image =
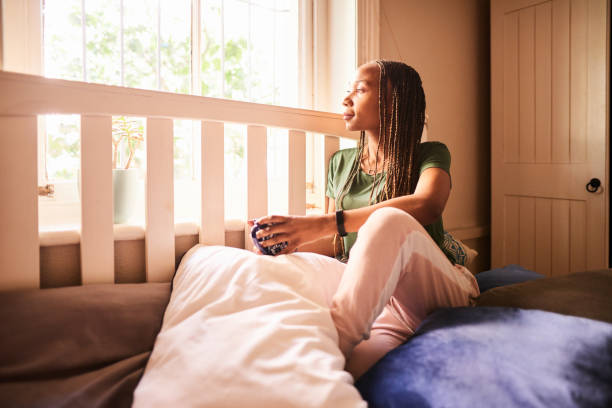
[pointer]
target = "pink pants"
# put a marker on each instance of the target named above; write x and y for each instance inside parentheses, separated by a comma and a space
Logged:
(395, 277)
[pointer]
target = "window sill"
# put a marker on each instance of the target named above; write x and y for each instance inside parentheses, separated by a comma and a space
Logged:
(71, 234)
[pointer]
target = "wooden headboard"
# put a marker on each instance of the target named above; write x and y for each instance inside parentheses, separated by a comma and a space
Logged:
(23, 97)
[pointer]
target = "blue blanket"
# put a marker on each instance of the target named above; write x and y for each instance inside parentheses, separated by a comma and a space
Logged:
(494, 356)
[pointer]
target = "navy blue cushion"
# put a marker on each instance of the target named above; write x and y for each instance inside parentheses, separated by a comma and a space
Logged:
(507, 275)
(496, 356)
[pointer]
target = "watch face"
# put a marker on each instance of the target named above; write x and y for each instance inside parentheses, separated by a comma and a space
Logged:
(271, 250)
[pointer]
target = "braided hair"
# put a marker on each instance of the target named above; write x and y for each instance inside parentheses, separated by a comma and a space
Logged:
(400, 133)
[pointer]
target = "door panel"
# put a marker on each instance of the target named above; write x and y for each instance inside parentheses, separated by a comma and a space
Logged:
(548, 71)
(543, 85)
(560, 77)
(512, 230)
(511, 89)
(545, 234)
(560, 237)
(527, 254)
(578, 81)
(543, 227)
(577, 236)
(526, 62)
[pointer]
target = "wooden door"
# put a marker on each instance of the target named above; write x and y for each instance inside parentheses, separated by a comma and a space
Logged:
(549, 136)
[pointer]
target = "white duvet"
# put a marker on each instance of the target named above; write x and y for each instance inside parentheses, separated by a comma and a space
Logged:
(243, 330)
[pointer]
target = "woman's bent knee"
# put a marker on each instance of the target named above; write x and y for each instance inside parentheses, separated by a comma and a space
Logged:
(389, 219)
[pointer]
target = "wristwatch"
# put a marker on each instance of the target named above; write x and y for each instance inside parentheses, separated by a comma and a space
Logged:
(340, 223)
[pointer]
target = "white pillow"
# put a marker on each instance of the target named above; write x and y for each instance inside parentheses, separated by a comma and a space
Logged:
(246, 330)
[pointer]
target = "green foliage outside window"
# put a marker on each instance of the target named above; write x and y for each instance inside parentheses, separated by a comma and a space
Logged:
(140, 66)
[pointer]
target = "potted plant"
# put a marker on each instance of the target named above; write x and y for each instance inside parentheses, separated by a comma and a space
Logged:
(127, 134)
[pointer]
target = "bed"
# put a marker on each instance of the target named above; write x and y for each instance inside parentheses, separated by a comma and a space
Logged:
(228, 328)
(530, 341)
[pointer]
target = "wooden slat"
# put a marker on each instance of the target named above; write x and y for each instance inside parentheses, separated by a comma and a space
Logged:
(331, 144)
(212, 230)
(578, 80)
(297, 172)
(596, 239)
(527, 85)
(512, 231)
(19, 250)
(560, 237)
(27, 94)
(159, 233)
(598, 133)
(497, 134)
(527, 242)
(578, 236)
(542, 82)
(510, 90)
(257, 176)
(560, 81)
(543, 237)
(97, 244)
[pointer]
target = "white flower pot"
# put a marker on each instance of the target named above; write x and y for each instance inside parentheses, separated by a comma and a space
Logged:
(125, 194)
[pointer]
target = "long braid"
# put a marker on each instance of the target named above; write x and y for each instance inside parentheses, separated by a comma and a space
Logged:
(399, 134)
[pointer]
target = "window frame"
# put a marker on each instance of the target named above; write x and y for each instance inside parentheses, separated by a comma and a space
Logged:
(195, 63)
(314, 45)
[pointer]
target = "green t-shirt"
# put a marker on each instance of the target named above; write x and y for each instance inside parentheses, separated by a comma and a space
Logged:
(431, 154)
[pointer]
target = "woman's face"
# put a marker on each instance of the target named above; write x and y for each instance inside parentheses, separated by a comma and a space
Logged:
(361, 103)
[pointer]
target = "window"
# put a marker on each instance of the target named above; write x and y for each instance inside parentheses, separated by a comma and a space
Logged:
(243, 49)
(238, 53)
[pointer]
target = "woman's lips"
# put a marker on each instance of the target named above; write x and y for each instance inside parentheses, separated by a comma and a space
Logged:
(347, 116)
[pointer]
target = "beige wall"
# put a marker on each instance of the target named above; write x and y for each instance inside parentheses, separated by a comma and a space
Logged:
(447, 42)
(341, 52)
(21, 36)
(334, 53)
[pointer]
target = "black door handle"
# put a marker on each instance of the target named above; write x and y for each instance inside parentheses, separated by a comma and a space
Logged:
(593, 185)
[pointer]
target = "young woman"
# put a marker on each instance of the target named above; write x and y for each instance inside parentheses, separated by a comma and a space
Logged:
(386, 202)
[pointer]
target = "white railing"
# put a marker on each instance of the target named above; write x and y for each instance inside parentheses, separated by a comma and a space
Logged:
(23, 97)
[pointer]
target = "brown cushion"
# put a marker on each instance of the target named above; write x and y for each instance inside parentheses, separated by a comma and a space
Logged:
(584, 294)
(77, 346)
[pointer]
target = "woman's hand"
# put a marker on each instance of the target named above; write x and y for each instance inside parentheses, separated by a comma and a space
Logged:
(254, 249)
(296, 230)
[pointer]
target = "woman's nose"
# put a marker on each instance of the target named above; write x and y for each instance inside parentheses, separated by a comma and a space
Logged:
(347, 101)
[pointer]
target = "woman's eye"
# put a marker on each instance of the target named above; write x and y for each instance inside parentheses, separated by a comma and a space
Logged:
(358, 90)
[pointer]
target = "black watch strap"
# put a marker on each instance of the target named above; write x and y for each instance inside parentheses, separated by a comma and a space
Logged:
(340, 223)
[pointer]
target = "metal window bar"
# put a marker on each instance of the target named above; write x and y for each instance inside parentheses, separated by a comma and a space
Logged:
(249, 52)
(223, 48)
(196, 41)
(274, 14)
(196, 85)
(121, 49)
(159, 44)
(84, 43)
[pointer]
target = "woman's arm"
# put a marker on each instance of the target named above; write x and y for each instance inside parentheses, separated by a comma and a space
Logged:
(325, 245)
(426, 204)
